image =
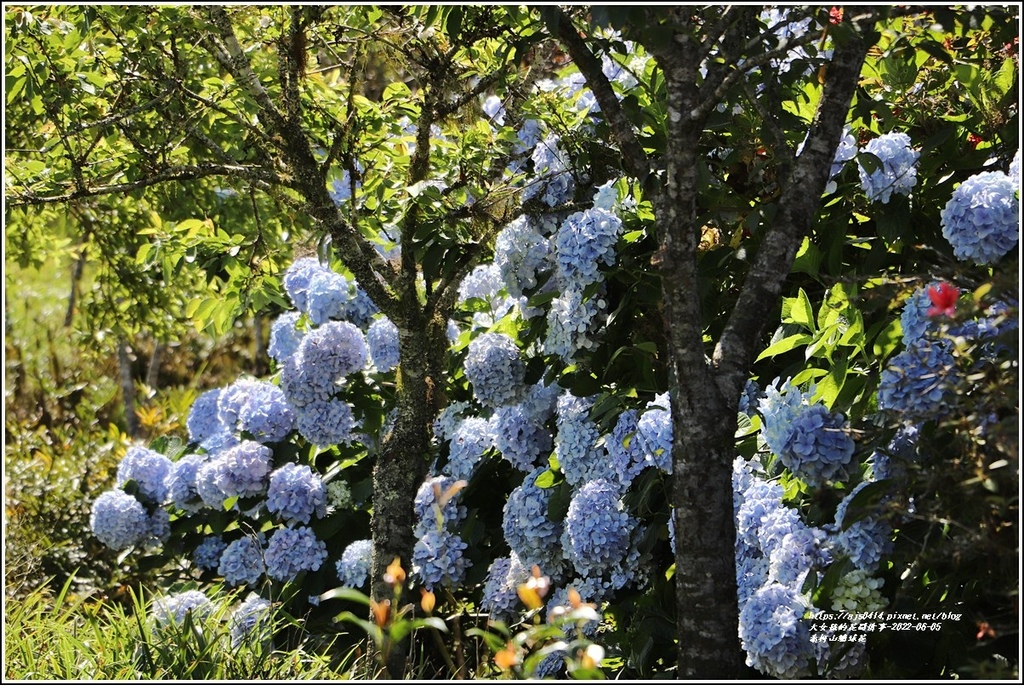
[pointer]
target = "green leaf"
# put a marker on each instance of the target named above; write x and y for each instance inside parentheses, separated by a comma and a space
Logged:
(346, 593)
(785, 345)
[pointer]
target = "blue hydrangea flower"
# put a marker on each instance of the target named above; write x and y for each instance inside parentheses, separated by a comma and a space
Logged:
(360, 309)
(625, 449)
(382, 338)
(981, 221)
(242, 562)
(203, 419)
(341, 188)
(295, 494)
(576, 442)
(181, 483)
(296, 280)
(495, 369)
(148, 469)
(521, 254)
(237, 472)
(158, 529)
(553, 181)
(266, 414)
(898, 173)
(866, 541)
(326, 423)
(325, 356)
(572, 321)
(800, 552)
(218, 442)
(326, 296)
(846, 151)
(354, 566)
(808, 439)
(775, 525)
(284, 337)
(540, 401)
(1014, 171)
(473, 436)
(500, 597)
(291, 551)
(448, 419)
(431, 514)
(250, 621)
(437, 559)
(233, 399)
(529, 532)
(751, 571)
(654, 432)
(584, 241)
(207, 553)
(597, 529)
(749, 398)
(756, 503)
(118, 520)
(773, 632)
(520, 440)
(484, 282)
(914, 320)
(173, 610)
(916, 381)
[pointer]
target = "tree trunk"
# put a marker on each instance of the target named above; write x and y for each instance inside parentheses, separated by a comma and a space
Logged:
(402, 468)
(124, 366)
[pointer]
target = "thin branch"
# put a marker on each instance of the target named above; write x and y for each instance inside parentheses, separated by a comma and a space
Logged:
(176, 173)
(633, 155)
(798, 207)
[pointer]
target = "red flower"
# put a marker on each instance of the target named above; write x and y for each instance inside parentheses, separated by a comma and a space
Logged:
(835, 15)
(943, 297)
(974, 140)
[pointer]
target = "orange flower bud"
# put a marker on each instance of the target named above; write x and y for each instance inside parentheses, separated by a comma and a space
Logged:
(506, 658)
(395, 574)
(427, 600)
(380, 610)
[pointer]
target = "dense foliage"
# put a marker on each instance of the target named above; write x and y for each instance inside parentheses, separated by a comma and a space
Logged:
(475, 357)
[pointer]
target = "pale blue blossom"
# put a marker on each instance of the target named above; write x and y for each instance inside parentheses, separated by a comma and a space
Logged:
(529, 531)
(118, 520)
(354, 566)
(242, 562)
(291, 551)
(981, 221)
(284, 336)
(495, 369)
(295, 494)
(148, 469)
(898, 173)
(382, 339)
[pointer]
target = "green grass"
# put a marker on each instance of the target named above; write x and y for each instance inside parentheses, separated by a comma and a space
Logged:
(62, 637)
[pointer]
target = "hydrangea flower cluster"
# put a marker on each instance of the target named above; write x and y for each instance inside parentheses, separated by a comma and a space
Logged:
(572, 320)
(326, 296)
(325, 356)
(520, 439)
(181, 483)
(431, 512)
(858, 592)
(495, 369)
(207, 553)
(807, 438)
(382, 338)
(174, 609)
(232, 401)
(291, 551)
(473, 436)
(437, 559)
(1014, 170)
(242, 562)
(119, 520)
(625, 449)
(448, 419)
(898, 173)
(597, 530)
(266, 414)
(203, 421)
(866, 541)
(583, 242)
(296, 280)
(914, 321)
(553, 181)
(981, 221)
(500, 597)
(521, 254)
(915, 382)
(237, 472)
(576, 442)
(749, 398)
(148, 469)
(250, 621)
(296, 493)
(354, 566)
(654, 432)
(530, 533)
(773, 632)
(326, 423)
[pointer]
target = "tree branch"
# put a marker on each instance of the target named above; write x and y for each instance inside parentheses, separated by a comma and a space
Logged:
(798, 207)
(634, 157)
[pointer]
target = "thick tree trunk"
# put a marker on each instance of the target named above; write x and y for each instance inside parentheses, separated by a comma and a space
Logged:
(402, 467)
